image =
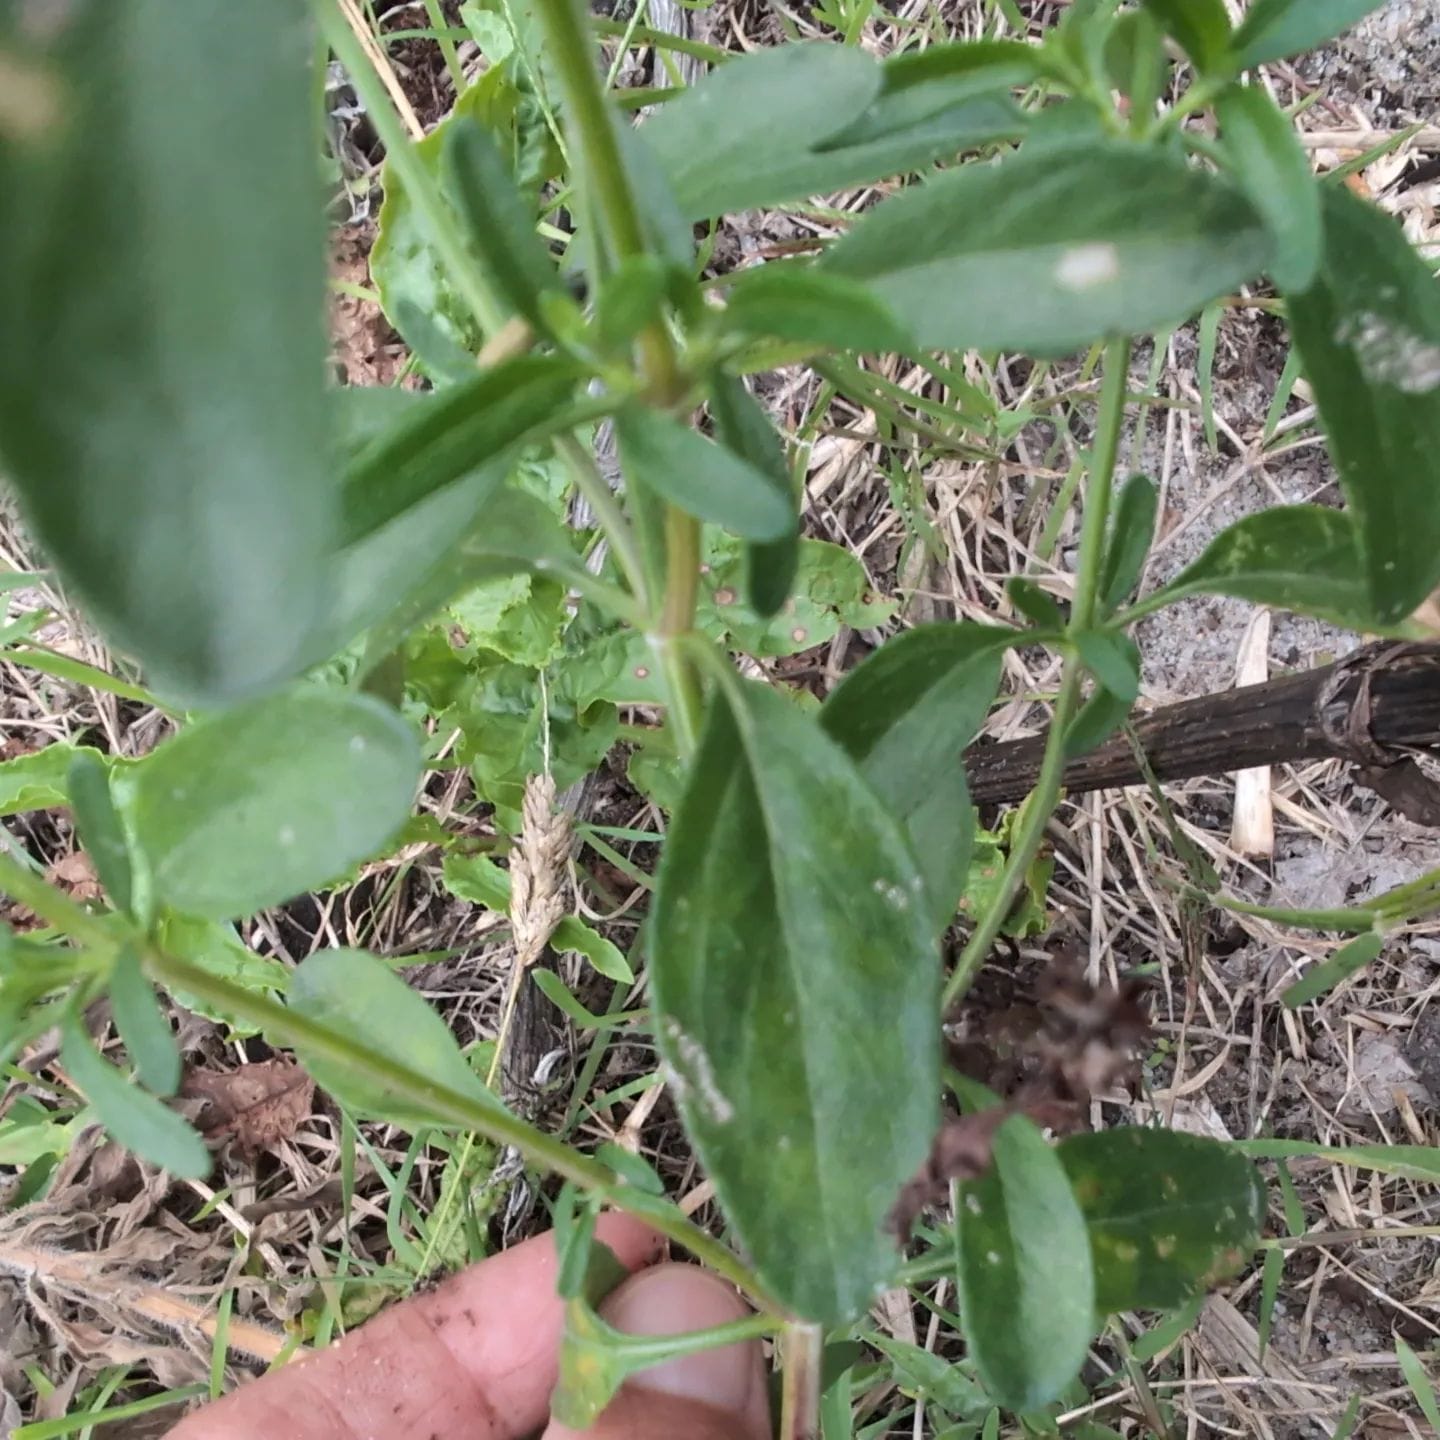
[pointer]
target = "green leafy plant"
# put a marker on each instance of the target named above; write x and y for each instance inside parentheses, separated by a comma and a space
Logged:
(298, 573)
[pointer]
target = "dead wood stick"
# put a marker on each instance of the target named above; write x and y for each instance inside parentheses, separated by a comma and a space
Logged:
(1375, 708)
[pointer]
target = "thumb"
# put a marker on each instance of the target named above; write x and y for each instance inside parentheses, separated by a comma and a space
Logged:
(715, 1395)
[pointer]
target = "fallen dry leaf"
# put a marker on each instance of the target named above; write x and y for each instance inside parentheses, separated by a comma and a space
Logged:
(258, 1105)
(75, 875)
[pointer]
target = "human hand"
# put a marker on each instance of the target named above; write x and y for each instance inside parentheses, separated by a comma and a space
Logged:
(477, 1359)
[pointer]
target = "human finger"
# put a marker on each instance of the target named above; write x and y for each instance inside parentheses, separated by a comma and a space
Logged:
(473, 1360)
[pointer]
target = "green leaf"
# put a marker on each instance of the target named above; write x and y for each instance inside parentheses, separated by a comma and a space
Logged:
(1201, 26)
(1415, 1162)
(790, 301)
(245, 809)
(1113, 660)
(904, 716)
(743, 427)
(1049, 251)
(1036, 605)
(1160, 1337)
(1320, 979)
(162, 414)
(1273, 1268)
(134, 1117)
(518, 616)
(1026, 1292)
(982, 884)
(40, 780)
(102, 836)
(360, 997)
(631, 297)
(942, 1384)
(1168, 1214)
(1293, 557)
(1274, 172)
(1131, 533)
(573, 936)
(143, 1026)
(1421, 1386)
(704, 479)
(767, 128)
(1368, 331)
(1099, 718)
(461, 430)
(1274, 29)
(501, 225)
(789, 938)
(1135, 60)
(218, 950)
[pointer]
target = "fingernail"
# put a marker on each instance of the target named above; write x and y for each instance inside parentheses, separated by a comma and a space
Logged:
(670, 1300)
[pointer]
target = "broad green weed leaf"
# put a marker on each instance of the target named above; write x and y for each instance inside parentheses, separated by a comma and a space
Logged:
(501, 225)
(248, 808)
(904, 716)
(704, 479)
(759, 131)
(517, 616)
(1169, 1214)
(1201, 26)
(359, 996)
(1274, 29)
(143, 1026)
(1027, 915)
(743, 427)
(1131, 533)
(1368, 331)
(218, 950)
(40, 780)
(943, 1384)
(1320, 979)
(102, 836)
(1274, 172)
(162, 413)
(456, 433)
(1293, 557)
(134, 1117)
(1046, 252)
(1026, 1291)
(795, 979)
(801, 302)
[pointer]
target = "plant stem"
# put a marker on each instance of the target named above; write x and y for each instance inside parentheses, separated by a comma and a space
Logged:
(402, 161)
(802, 1351)
(441, 27)
(53, 907)
(677, 616)
(1046, 795)
(450, 1107)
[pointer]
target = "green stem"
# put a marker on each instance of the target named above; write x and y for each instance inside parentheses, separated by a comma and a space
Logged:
(441, 27)
(449, 1107)
(51, 906)
(677, 617)
(1046, 795)
(401, 158)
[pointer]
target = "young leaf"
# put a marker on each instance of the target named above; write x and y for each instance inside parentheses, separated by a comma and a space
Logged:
(1047, 251)
(1320, 979)
(1274, 29)
(501, 225)
(758, 131)
(359, 996)
(1294, 557)
(452, 435)
(630, 298)
(143, 1026)
(1274, 172)
(1168, 1214)
(1201, 26)
(1369, 335)
(744, 428)
(1113, 660)
(1099, 718)
(789, 938)
(1026, 1291)
(134, 1117)
(1135, 60)
(573, 936)
(39, 780)
(247, 808)
(162, 415)
(1036, 605)
(704, 479)
(801, 302)
(904, 716)
(1131, 532)
(102, 836)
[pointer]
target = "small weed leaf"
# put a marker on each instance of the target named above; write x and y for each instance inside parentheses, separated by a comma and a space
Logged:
(98, 825)
(1274, 29)
(359, 996)
(143, 1026)
(1201, 26)
(248, 808)
(1047, 254)
(1168, 1214)
(193, 508)
(1130, 535)
(1368, 332)
(1027, 1295)
(1321, 979)
(795, 976)
(943, 1384)
(40, 780)
(759, 131)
